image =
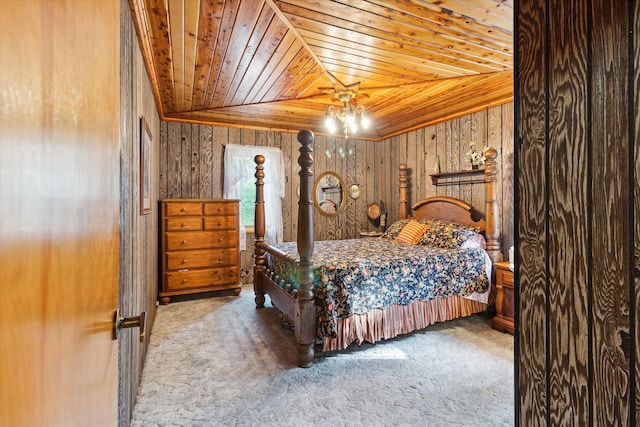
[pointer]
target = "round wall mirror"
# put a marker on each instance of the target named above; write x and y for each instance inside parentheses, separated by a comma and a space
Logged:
(330, 194)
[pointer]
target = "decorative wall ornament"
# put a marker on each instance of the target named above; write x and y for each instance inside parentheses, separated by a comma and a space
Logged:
(354, 191)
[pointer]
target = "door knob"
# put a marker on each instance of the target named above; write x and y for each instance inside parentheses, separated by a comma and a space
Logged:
(129, 322)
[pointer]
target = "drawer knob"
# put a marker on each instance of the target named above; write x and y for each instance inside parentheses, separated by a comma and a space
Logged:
(184, 261)
(184, 242)
(220, 240)
(219, 258)
(181, 209)
(219, 209)
(182, 225)
(184, 280)
(219, 224)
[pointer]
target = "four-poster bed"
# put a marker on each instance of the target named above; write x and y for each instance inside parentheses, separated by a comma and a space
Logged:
(315, 290)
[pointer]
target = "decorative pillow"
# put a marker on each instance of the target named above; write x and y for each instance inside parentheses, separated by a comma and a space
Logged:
(395, 229)
(448, 235)
(477, 241)
(411, 233)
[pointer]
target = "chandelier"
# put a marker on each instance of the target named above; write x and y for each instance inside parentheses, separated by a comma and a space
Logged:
(351, 115)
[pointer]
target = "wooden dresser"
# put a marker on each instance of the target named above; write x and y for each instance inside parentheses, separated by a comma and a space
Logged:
(503, 320)
(200, 248)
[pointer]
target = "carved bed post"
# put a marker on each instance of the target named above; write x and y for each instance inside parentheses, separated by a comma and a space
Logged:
(305, 309)
(260, 227)
(403, 211)
(492, 217)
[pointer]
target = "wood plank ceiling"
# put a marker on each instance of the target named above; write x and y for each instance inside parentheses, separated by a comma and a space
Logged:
(268, 64)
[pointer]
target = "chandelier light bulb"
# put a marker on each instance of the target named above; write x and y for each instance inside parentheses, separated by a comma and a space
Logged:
(351, 119)
(364, 120)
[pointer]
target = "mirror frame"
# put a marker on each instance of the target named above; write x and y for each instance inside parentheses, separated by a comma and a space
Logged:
(343, 194)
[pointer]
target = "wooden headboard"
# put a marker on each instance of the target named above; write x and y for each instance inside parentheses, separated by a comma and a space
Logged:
(449, 209)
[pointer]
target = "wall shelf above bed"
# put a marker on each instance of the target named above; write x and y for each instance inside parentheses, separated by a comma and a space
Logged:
(473, 176)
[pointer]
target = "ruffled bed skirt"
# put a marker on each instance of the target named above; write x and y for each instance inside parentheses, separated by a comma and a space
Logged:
(385, 323)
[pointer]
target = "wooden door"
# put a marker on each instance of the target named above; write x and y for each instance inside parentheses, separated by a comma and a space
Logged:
(59, 201)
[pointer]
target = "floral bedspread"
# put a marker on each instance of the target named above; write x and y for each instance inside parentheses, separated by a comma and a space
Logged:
(358, 275)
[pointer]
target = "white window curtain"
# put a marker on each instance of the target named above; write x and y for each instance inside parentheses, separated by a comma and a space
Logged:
(239, 166)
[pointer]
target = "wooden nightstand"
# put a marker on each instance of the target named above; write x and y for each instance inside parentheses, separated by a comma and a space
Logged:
(503, 320)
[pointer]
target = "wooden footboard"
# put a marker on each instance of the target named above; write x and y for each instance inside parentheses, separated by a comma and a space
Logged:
(301, 309)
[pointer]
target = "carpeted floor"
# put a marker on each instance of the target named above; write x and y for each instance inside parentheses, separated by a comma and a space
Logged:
(219, 361)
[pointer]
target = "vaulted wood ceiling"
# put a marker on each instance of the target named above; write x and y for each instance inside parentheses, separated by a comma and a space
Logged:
(268, 64)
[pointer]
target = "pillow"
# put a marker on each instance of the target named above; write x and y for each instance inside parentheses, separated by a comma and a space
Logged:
(395, 228)
(477, 241)
(449, 235)
(411, 233)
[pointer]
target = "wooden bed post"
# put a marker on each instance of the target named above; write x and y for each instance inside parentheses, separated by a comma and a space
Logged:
(403, 211)
(305, 309)
(492, 217)
(260, 228)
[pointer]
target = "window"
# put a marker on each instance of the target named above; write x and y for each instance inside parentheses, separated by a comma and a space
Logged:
(239, 183)
(248, 205)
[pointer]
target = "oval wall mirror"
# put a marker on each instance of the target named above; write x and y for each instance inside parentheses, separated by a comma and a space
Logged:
(330, 194)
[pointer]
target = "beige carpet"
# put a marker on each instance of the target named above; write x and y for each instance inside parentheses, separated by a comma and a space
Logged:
(219, 361)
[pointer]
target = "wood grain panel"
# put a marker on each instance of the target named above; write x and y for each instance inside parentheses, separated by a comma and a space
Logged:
(360, 158)
(506, 176)
(287, 154)
(635, 176)
(220, 137)
(174, 160)
(158, 34)
(186, 141)
(162, 156)
(569, 207)
(217, 55)
(230, 48)
(427, 164)
(610, 223)
(319, 167)
(445, 161)
(210, 17)
(194, 161)
(127, 350)
(205, 160)
(531, 234)
(466, 135)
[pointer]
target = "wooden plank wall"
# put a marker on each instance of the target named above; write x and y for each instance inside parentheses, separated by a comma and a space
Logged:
(138, 233)
(191, 165)
(578, 280)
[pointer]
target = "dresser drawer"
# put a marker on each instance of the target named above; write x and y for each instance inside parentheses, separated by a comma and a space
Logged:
(219, 222)
(184, 224)
(220, 208)
(201, 240)
(202, 278)
(201, 258)
(184, 209)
